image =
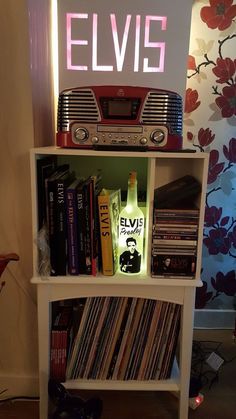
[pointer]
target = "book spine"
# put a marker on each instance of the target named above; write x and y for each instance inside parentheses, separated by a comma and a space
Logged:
(72, 231)
(93, 227)
(105, 235)
(61, 235)
(88, 232)
(81, 228)
(51, 193)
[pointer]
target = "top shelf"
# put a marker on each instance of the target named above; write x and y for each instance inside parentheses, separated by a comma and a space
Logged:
(116, 280)
(54, 150)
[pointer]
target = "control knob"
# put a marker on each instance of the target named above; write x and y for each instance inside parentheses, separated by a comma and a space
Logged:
(95, 140)
(157, 136)
(80, 134)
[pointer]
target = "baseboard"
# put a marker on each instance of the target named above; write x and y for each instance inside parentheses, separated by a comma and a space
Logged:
(19, 386)
(214, 319)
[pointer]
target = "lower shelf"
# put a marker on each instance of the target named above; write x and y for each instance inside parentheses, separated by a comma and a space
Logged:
(171, 384)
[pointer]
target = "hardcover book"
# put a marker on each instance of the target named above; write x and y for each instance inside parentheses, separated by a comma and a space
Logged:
(52, 219)
(45, 167)
(72, 227)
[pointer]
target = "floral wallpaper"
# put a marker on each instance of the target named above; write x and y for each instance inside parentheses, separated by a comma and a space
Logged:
(210, 126)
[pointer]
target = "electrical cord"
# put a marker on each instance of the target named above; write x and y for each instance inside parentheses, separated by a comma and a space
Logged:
(18, 398)
(201, 350)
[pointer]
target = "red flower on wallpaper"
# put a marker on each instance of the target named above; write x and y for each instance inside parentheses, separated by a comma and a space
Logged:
(215, 168)
(212, 216)
(189, 136)
(219, 14)
(202, 296)
(205, 137)
(227, 101)
(232, 236)
(225, 69)
(217, 241)
(230, 153)
(191, 62)
(191, 100)
(225, 283)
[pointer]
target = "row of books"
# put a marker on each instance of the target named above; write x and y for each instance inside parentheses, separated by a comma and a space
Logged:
(80, 218)
(175, 230)
(122, 338)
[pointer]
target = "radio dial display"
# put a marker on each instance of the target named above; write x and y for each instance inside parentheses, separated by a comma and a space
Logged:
(119, 108)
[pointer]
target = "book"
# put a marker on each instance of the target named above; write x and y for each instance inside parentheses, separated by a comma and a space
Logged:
(52, 219)
(88, 212)
(72, 227)
(60, 244)
(81, 227)
(96, 188)
(87, 231)
(45, 167)
(109, 204)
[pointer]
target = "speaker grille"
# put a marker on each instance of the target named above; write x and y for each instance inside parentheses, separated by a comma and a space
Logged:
(163, 108)
(76, 105)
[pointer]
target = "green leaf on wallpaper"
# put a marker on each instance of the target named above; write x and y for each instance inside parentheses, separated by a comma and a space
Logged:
(219, 257)
(189, 122)
(216, 116)
(232, 121)
(226, 184)
(203, 75)
(205, 253)
(203, 47)
(229, 175)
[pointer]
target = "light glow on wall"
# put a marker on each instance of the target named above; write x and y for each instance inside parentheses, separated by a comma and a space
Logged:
(71, 42)
(120, 49)
(54, 49)
(160, 45)
(120, 52)
(122, 43)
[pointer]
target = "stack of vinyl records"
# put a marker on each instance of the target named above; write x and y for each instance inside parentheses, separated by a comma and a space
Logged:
(124, 338)
(175, 231)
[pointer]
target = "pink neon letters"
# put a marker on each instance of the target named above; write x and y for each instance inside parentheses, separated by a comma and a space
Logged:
(120, 48)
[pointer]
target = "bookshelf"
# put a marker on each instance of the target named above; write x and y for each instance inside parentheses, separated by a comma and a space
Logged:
(154, 169)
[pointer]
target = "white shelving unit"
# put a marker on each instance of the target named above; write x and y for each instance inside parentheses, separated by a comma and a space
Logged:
(154, 169)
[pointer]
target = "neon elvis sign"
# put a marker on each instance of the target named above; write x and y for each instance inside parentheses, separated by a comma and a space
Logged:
(151, 23)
